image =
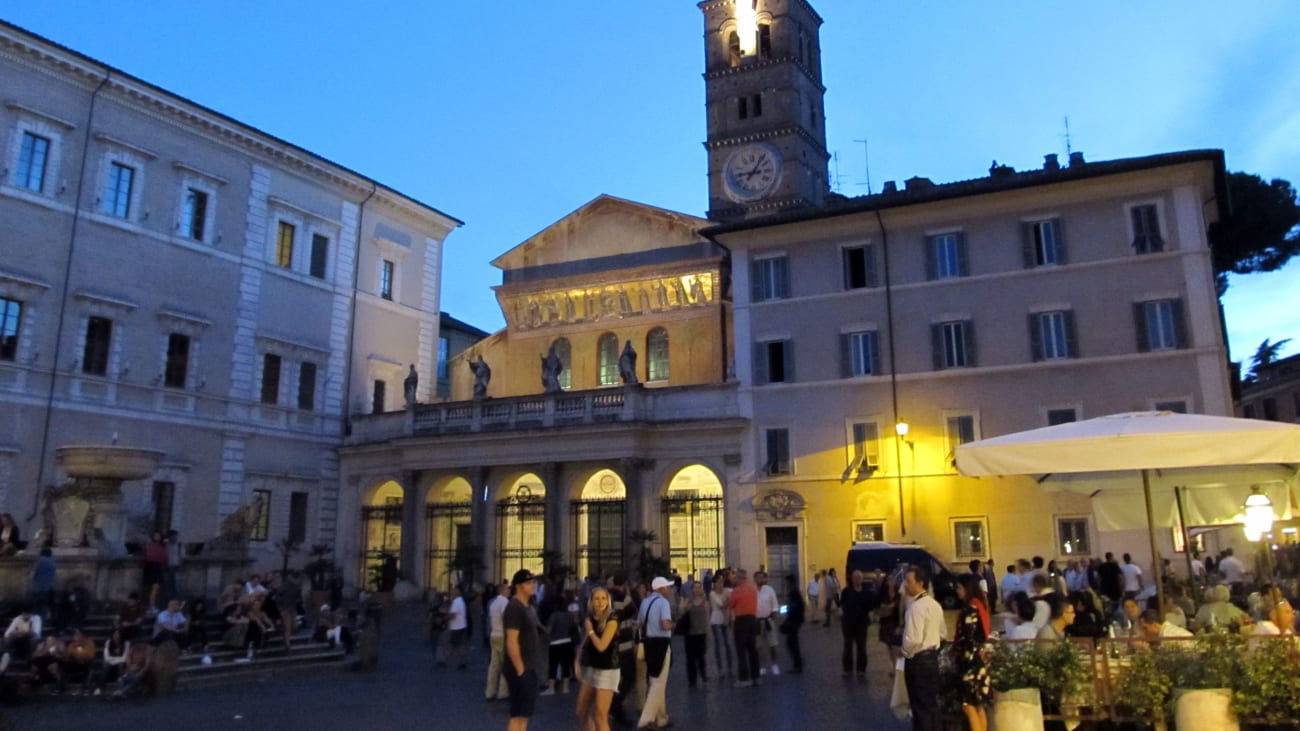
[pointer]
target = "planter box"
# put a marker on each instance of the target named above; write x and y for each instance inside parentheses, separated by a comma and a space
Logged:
(1204, 710)
(1019, 709)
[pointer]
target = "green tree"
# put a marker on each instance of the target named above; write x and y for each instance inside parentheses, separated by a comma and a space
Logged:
(1262, 231)
(1266, 353)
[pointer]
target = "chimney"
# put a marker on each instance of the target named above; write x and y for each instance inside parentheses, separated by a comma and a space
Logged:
(917, 182)
(1076, 159)
(890, 187)
(1000, 171)
(1050, 162)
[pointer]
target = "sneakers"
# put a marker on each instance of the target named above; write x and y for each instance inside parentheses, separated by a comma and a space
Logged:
(548, 691)
(776, 669)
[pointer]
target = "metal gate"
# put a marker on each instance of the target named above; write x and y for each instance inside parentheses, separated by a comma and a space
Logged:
(599, 532)
(521, 534)
(447, 528)
(693, 529)
(381, 531)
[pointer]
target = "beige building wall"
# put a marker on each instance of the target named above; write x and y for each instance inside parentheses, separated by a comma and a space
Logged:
(1006, 389)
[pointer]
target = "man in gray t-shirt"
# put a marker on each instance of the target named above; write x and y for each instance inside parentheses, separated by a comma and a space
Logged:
(521, 628)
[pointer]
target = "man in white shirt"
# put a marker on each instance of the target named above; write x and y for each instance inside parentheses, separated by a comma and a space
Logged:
(1132, 576)
(170, 624)
(769, 607)
(1232, 569)
(458, 626)
(923, 630)
(656, 617)
(496, 682)
(1154, 628)
(814, 597)
(1009, 585)
(23, 633)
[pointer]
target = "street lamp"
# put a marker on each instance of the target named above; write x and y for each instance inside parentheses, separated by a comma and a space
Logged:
(1259, 514)
(1258, 523)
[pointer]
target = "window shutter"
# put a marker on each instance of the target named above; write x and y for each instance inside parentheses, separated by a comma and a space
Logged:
(931, 264)
(1027, 245)
(787, 355)
(760, 364)
(873, 276)
(846, 355)
(782, 276)
(874, 340)
(1180, 324)
(783, 450)
(968, 339)
(936, 342)
(773, 452)
(1035, 337)
(756, 281)
(963, 263)
(1140, 326)
(1139, 227)
(846, 268)
(1058, 228)
(1071, 341)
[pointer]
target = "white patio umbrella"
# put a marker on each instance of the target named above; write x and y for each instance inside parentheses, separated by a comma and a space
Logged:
(1120, 452)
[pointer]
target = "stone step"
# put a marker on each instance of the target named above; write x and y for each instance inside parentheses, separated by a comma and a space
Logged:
(260, 668)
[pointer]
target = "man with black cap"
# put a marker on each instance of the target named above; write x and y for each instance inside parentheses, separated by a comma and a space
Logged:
(521, 649)
(656, 616)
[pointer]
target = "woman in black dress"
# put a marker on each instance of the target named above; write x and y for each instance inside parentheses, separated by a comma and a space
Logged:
(974, 685)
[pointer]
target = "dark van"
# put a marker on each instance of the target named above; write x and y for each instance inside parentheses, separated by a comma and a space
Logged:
(885, 558)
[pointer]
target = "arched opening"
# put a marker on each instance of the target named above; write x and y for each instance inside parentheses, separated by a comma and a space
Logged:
(565, 353)
(521, 527)
(607, 359)
(381, 531)
(733, 49)
(656, 348)
(448, 514)
(599, 523)
(692, 512)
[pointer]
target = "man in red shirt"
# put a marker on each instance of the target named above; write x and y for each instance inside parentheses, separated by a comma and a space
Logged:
(744, 607)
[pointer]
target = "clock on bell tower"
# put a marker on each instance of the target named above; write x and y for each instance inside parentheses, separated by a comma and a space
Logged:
(764, 100)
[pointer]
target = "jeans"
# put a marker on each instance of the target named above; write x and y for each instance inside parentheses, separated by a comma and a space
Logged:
(722, 648)
(746, 631)
(921, 674)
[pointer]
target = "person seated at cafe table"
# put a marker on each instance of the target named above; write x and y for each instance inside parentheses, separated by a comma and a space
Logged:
(1218, 611)
(1155, 628)
(1281, 621)
(1126, 622)
(1062, 616)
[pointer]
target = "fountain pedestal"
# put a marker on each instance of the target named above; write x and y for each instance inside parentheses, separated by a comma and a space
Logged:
(88, 513)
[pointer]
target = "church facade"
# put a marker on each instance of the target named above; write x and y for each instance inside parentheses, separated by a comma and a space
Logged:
(805, 363)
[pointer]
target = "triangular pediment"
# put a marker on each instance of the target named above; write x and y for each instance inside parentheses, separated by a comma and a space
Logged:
(605, 227)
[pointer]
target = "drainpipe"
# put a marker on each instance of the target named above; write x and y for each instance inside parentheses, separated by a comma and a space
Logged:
(63, 304)
(352, 319)
(893, 366)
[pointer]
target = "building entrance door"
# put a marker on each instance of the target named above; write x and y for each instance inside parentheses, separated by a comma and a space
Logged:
(782, 554)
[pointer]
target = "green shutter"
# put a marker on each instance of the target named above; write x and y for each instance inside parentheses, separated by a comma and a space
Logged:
(1071, 340)
(1140, 326)
(963, 263)
(760, 364)
(1027, 242)
(873, 275)
(1058, 228)
(1180, 324)
(936, 342)
(968, 338)
(787, 354)
(846, 355)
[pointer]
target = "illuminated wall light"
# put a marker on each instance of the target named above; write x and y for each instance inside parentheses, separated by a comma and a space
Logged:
(747, 27)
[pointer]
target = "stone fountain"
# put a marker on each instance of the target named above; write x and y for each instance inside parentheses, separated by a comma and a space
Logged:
(87, 513)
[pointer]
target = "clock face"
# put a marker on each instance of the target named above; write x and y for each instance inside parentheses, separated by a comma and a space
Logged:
(751, 172)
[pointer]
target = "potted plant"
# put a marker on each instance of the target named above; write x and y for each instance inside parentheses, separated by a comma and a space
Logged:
(1202, 673)
(383, 576)
(1144, 688)
(1024, 674)
(320, 570)
(1267, 690)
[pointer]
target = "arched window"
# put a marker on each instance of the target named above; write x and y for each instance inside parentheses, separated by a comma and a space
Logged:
(565, 354)
(764, 40)
(607, 354)
(656, 348)
(733, 48)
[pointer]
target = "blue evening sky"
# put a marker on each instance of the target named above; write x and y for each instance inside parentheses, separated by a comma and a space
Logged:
(509, 115)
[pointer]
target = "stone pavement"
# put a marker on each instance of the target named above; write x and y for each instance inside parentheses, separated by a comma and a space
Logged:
(407, 692)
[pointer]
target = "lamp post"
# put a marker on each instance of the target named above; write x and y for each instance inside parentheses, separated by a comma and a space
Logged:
(901, 428)
(1258, 522)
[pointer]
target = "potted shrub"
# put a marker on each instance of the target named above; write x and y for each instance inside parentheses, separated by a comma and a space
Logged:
(1267, 690)
(1026, 673)
(1202, 673)
(1144, 688)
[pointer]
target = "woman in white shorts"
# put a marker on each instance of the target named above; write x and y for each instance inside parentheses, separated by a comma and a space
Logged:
(597, 663)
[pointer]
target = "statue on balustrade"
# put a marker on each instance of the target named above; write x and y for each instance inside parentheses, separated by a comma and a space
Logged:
(410, 385)
(627, 365)
(552, 367)
(482, 376)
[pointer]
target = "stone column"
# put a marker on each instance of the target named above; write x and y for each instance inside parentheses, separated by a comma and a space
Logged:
(481, 513)
(409, 556)
(557, 502)
(642, 512)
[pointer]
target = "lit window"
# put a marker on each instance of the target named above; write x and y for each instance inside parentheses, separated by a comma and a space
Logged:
(565, 353)
(1072, 536)
(607, 359)
(969, 538)
(656, 345)
(284, 245)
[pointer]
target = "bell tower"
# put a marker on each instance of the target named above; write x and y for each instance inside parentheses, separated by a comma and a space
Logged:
(764, 101)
